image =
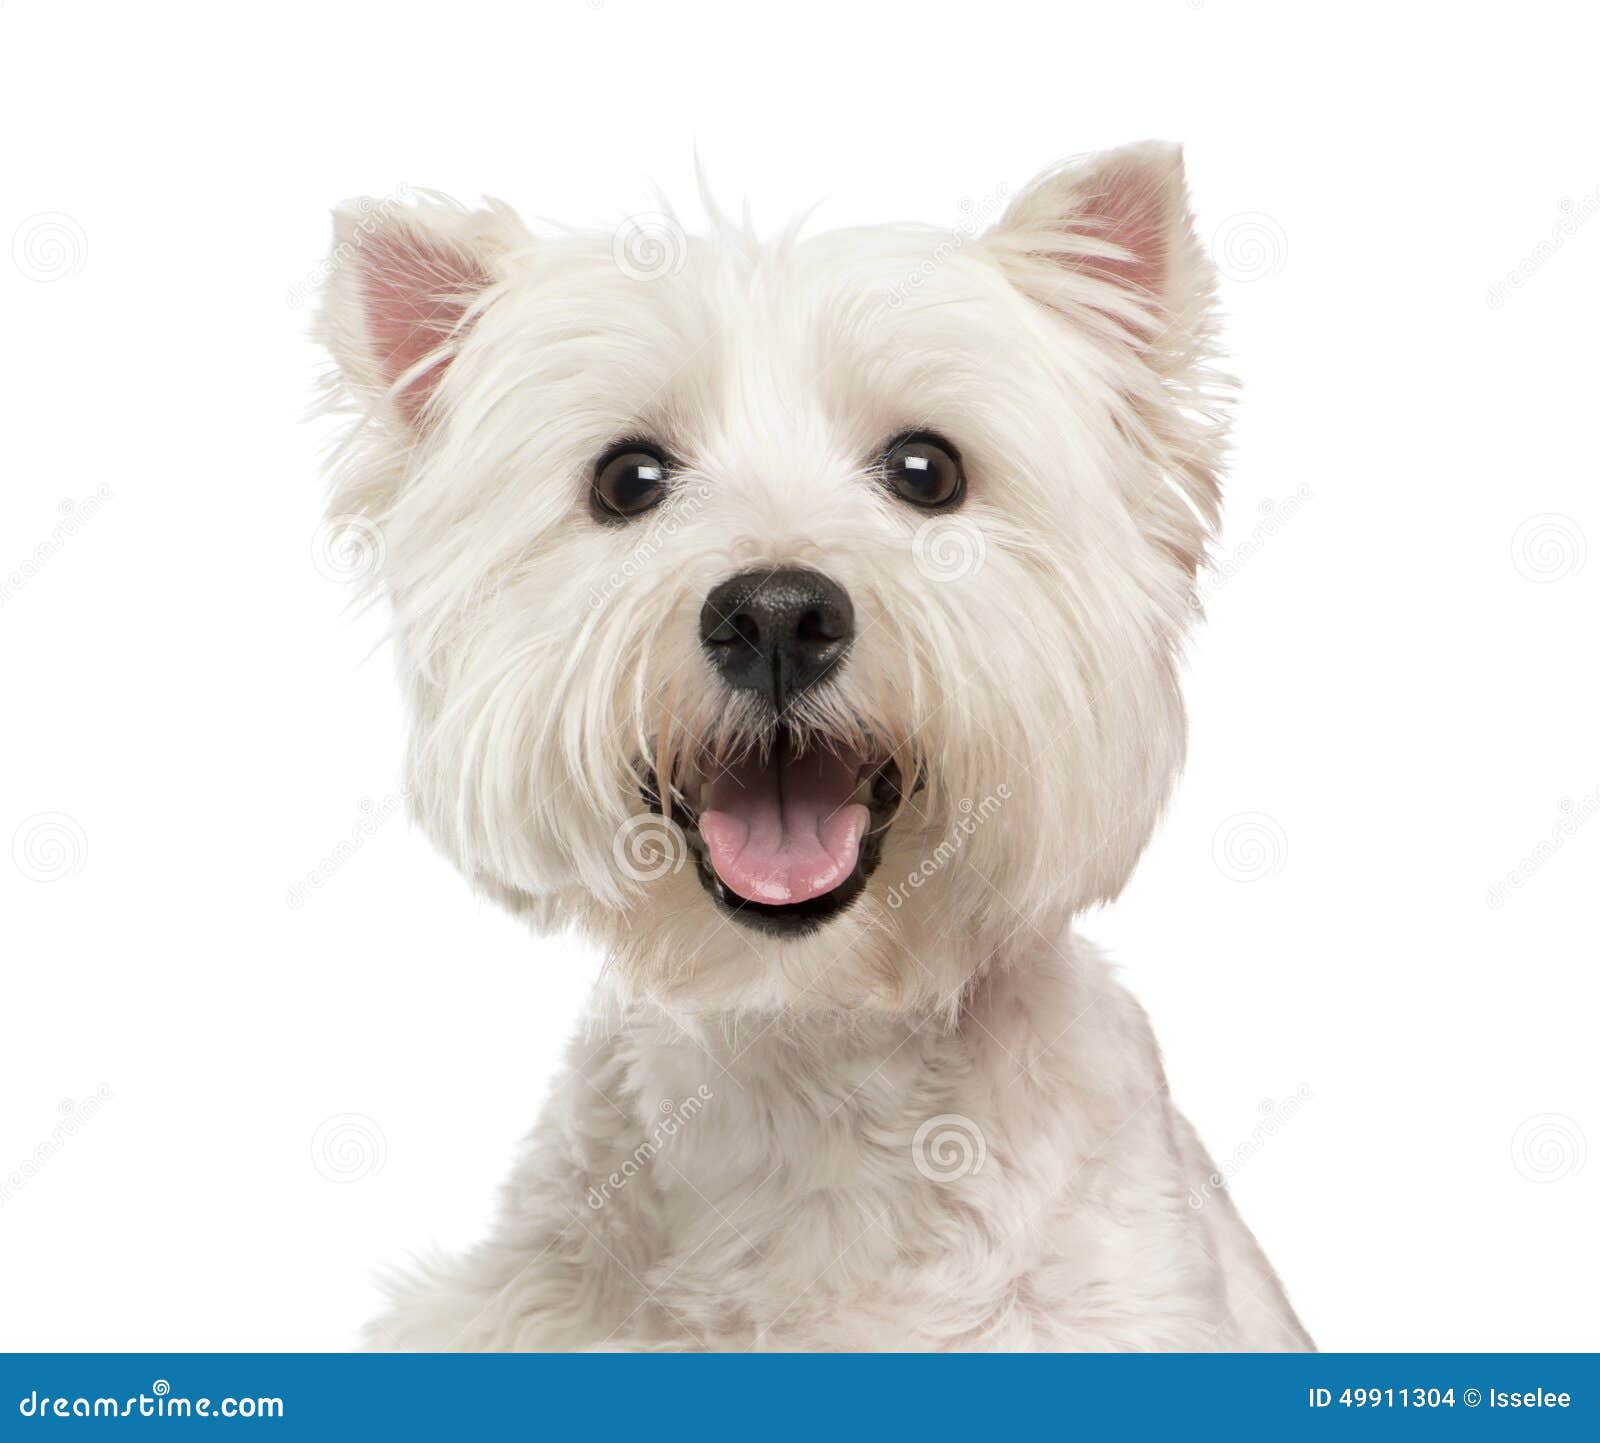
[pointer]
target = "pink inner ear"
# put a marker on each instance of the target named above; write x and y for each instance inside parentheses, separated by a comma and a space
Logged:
(416, 289)
(1129, 208)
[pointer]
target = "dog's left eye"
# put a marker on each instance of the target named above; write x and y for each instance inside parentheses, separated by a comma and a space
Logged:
(629, 479)
(925, 469)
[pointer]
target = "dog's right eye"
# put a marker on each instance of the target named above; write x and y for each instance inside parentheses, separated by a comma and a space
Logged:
(925, 469)
(628, 480)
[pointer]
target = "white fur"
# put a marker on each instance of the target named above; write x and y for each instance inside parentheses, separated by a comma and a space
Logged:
(813, 1191)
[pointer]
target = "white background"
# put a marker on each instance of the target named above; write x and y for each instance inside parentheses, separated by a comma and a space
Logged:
(1396, 686)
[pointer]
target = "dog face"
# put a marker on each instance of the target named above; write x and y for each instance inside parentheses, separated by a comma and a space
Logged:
(786, 612)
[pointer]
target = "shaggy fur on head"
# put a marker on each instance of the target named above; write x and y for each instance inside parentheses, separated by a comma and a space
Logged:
(929, 1118)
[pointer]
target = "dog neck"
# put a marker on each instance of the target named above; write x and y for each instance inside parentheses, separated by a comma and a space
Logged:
(833, 1046)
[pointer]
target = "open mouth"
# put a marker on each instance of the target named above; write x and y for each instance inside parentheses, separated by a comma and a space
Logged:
(785, 837)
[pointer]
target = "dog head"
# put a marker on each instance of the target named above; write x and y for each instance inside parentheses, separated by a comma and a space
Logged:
(800, 617)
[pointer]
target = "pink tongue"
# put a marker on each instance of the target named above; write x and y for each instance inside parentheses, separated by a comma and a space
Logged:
(784, 831)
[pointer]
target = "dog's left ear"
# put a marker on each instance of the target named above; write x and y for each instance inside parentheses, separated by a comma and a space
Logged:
(1110, 241)
(405, 284)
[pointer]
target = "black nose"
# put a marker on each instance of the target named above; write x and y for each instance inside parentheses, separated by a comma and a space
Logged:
(777, 632)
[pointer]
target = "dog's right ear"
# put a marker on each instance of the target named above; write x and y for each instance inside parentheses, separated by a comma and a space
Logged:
(405, 284)
(1110, 238)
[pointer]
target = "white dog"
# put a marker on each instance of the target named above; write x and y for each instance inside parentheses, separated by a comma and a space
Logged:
(800, 621)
